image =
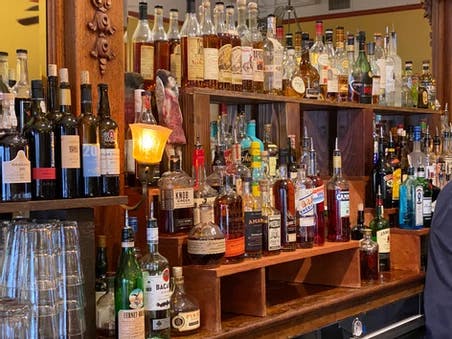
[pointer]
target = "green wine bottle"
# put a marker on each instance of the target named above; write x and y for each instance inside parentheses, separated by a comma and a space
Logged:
(129, 291)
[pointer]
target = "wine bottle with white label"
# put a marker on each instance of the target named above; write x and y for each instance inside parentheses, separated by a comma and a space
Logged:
(156, 282)
(67, 144)
(109, 147)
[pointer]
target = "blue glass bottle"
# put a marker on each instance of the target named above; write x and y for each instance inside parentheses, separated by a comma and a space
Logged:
(411, 202)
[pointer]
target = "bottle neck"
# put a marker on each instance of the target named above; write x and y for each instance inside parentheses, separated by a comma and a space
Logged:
(4, 70)
(158, 30)
(266, 198)
(86, 100)
(179, 283)
(252, 20)
(337, 165)
(23, 69)
(104, 105)
(318, 32)
(173, 30)
(52, 93)
(283, 171)
(379, 208)
(360, 218)
(199, 170)
(241, 16)
(230, 25)
(271, 27)
(251, 130)
(219, 21)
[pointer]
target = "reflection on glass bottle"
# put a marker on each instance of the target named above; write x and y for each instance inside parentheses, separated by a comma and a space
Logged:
(105, 312)
(368, 256)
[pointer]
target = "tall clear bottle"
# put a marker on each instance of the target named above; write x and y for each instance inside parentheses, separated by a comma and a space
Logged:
(273, 59)
(161, 43)
(305, 210)
(4, 84)
(236, 52)
(341, 64)
(211, 44)
(380, 57)
(22, 89)
(338, 200)
(89, 137)
(224, 49)
(258, 49)
(375, 69)
(318, 48)
(156, 283)
(174, 40)
(67, 144)
(192, 54)
(109, 147)
(393, 76)
(246, 47)
(143, 47)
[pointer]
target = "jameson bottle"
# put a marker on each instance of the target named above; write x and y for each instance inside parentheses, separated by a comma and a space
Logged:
(67, 144)
(109, 148)
(42, 147)
(129, 296)
(89, 137)
(15, 166)
(156, 282)
(380, 233)
(53, 109)
(338, 200)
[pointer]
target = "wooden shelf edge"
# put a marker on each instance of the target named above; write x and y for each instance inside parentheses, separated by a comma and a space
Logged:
(420, 232)
(60, 204)
(283, 257)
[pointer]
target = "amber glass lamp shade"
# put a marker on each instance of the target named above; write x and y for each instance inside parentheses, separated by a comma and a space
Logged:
(149, 142)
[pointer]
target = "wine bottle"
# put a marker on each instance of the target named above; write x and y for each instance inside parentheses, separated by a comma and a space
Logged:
(67, 144)
(109, 149)
(21, 89)
(101, 266)
(89, 138)
(42, 147)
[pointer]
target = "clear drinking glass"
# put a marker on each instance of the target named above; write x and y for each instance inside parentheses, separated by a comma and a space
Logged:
(14, 319)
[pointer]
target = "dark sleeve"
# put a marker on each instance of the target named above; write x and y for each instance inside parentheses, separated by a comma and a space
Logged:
(438, 284)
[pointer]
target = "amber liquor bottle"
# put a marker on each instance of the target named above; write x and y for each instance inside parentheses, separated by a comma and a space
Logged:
(258, 49)
(271, 221)
(161, 43)
(246, 47)
(211, 44)
(236, 52)
(224, 50)
(174, 45)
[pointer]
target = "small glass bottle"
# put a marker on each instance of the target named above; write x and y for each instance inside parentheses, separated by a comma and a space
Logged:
(305, 210)
(206, 244)
(174, 45)
(105, 312)
(211, 44)
(185, 315)
(368, 257)
(258, 49)
(293, 85)
(308, 72)
(215, 179)
(357, 230)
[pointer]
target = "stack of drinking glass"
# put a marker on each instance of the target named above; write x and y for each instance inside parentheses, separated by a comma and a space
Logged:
(40, 268)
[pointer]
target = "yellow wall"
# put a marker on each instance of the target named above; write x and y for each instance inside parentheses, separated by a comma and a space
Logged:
(413, 31)
(32, 38)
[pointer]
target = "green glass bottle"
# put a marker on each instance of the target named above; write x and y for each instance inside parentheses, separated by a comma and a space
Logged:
(129, 299)
(361, 74)
(381, 233)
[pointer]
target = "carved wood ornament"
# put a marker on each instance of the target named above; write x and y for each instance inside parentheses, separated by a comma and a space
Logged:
(103, 27)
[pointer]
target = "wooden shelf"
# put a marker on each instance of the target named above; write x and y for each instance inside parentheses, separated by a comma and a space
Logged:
(409, 249)
(420, 232)
(61, 204)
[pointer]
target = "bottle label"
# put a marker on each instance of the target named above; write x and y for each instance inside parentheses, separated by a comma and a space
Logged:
(17, 171)
(131, 323)
(130, 161)
(247, 63)
(272, 165)
(333, 81)
(65, 96)
(99, 294)
(297, 84)
(273, 223)
(384, 245)
(127, 244)
(152, 235)
(183, 198)
(157, 291)
(91, 160)
(236, 65)
(195, 58)
(318, 194)
(427, 206)
(337, 161)
(312, 89)
(160, 324)
(235, 246)
(323, 73)
(253, 231)
(147, 62)
(258, 65)
(304, 202)
(419, 198)
(109, 161)
(48, 173)
(175, 64)
(186, 321)
(293, 175)
(343, 199)
(396, 180)
(390, 80)
(196, 210)
(224, 63)
(70, 151)
(376, 85)
(210, 63)
(207, 246)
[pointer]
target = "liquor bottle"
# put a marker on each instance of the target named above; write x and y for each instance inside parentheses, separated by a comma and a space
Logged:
(381, 233)
(284, 200)
(105, 312)
(246, 142)
(143, 48)
(271, 221)
(129, 294)
(67, 144)
(271, 148)
(224, 48)
(292, 165)
(416, 157)
(368, 257)
(203, 193)
(357, 232)
(338, 200)
(161, 43)
(89, 137)
(426, 197)
(174, 45)
(22, 90)
(361, 81)
(175, 199)
(309, 73)
(215, 179)
(318, 197)
(238, 170)
(109, 148)
(407, 84)
(396, 170)
(425, 82)
(305, 148)
(41, 147)
(130, 175)
(256, 168)
(318, 48)
(156, 283)
(206, 244)
(258, 49)
(375, 70)
(53, 109)
(101, 267)
(341, 65)
(393, 74)
(273, 59)
(11, 77)
(192, 54)
(15, 163)
(331, 90)
(185, 315)
(380, 58)
(252, 218)
(305, 210)
(246, 47)
(236, 52)
(228, 215)
(4, 80)
(211, 44)
(293, 85)
(382, 175)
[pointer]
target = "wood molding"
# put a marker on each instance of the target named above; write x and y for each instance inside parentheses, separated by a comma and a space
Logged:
(55, 32)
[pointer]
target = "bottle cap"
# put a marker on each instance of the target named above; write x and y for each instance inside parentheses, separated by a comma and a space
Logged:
(102, 241)
(21, 51)
(241, 3)
(84, 77)
(64, 75)
(252, 6)
(143, 10)
(51, 70)
(177, 271)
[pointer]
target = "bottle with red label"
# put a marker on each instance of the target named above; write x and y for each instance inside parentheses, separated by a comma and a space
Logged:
(361, 84)
(338, 199)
